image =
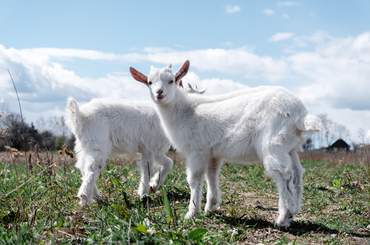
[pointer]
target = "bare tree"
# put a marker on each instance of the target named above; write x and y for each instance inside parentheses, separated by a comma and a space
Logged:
(55, 124)
(342, 131)
(40, 124)
(331, 131)
(4, 107)
(325, 130)
(58, 126)
(307, 145)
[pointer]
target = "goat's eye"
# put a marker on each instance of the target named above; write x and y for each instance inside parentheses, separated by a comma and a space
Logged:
(170, 82)
(150, 82)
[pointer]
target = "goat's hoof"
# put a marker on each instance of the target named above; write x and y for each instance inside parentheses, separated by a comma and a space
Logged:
(283, 222)
(280, 226)
(212, 208)
(84, 200)
(153, 189)
(142, 193)
(190, 215)
(99, 199)
(144, 196)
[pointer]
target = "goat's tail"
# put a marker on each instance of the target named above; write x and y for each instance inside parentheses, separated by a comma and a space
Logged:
(73, 115)
(310, 124)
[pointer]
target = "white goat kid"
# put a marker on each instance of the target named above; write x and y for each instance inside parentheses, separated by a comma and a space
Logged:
(263, 123)
(106, 126)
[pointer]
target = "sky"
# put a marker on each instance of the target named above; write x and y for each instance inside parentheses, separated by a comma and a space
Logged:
(319, 50)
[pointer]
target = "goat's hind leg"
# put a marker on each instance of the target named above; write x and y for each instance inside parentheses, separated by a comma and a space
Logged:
(96, 193)
(90, 168)
(213, 186)
(165, 164)
(297, 180)
(279, 166)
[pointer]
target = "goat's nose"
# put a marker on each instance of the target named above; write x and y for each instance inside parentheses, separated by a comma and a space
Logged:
(159, 91)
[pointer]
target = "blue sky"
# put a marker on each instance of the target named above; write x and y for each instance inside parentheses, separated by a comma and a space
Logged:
(320, 50)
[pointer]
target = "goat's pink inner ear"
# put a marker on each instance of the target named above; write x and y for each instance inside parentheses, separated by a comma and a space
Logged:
(180, 84)
(138, 76)
(182, 71)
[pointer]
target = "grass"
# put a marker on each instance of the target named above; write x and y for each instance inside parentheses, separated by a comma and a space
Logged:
(39, 206)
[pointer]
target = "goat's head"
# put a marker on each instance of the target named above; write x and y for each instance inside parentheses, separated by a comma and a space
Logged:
(162, 83)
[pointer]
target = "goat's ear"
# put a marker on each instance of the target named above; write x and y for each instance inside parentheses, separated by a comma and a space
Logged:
(182, 71)
(190, 86)
(138, 76)
(180, 84)
(202, 91)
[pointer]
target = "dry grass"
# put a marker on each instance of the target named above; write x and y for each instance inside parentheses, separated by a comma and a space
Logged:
(340, 158)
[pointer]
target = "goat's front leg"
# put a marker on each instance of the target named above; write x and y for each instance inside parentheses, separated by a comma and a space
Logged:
(213, 186)
(166, 165)
(146, 166)
(195, 176)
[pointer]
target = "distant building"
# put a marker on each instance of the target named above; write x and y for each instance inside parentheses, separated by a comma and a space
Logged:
(339, 145)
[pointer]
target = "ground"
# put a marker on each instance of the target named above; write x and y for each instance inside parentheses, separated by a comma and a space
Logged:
(39, 204)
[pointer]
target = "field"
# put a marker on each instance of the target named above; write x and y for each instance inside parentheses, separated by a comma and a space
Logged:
(38, 205)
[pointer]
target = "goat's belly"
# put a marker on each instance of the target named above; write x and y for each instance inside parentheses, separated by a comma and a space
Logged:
(239, 157)
(125, 148)
(237, 154)
(243, 161)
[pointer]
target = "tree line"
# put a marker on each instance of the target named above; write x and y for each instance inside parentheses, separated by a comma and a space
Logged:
(49, 134)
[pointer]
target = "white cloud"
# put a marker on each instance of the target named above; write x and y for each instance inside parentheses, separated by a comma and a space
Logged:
(337, 78)
(285, 16)
(318, 38)
(44, 85)
(333, 78)
(339, 70)
(268, 11)
(229, 61)
(230, 9)
(288, 4)
(214, 86)
(240, 61)
(281, 36)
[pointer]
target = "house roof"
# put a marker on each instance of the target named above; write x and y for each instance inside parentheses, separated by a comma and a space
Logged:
(339, 144)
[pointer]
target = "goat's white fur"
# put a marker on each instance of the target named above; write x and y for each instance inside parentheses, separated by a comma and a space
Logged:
(368, 134)
(263, 123)
(106, 126)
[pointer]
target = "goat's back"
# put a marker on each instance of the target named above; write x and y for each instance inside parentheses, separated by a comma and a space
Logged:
(234, 127)
(120, 126)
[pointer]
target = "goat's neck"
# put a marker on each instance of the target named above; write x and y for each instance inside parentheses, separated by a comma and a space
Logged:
(173, 112)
